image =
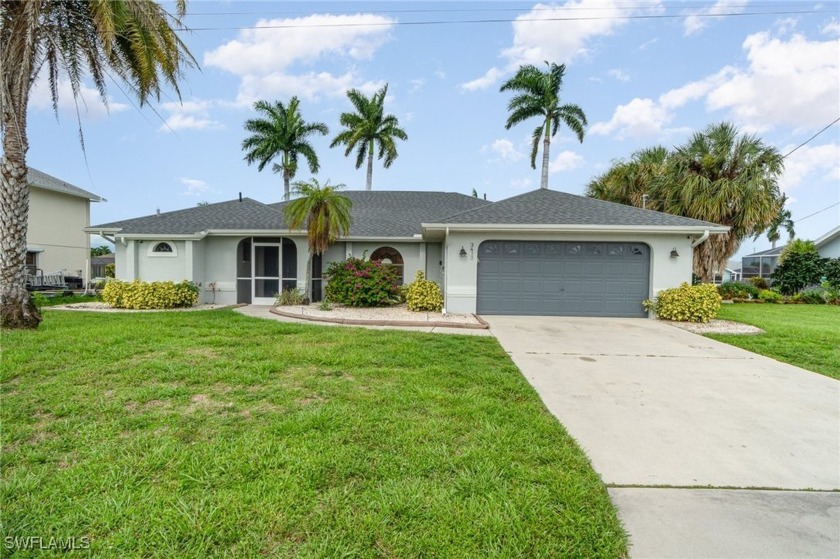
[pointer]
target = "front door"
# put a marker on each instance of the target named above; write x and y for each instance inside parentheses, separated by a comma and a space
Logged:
(266, 272)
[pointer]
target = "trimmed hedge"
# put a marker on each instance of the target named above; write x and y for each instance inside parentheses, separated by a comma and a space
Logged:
(423, 294)
(686, 303)
(140, 295)
(737, 290)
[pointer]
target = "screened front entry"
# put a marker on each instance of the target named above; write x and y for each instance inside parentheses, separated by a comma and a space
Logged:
(265, 266)
(563, 278)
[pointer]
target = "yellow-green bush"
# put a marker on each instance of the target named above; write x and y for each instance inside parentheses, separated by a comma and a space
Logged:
(686, 303)
(150, 295)
(423, 294)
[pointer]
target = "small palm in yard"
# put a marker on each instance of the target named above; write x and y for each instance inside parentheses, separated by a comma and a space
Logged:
(281, 132)
(368, 128)
(132, 40)
(538, 95)
(324, 212)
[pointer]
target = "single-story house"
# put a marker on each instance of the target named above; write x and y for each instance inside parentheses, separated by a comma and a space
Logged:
(99, 265)
(829, 244)
(59, 212)
(540, 253)
(760, 264)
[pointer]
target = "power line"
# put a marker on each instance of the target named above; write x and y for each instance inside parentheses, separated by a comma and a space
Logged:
(812, 137)
(817, 212)
(499, 20)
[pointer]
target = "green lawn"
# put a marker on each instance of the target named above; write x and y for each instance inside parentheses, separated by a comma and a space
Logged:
(807, 336)
(212, 434)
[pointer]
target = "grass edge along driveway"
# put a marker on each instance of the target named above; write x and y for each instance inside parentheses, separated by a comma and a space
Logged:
(209, 433)
(807, 336)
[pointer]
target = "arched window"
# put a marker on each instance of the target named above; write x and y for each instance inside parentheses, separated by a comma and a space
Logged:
(391, 257)
(162, 248)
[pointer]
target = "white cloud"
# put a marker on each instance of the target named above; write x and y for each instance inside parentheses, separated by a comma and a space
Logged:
(789, 82)
(416, 85)
(816, 163)
(638, 118)
(440, 74)
(489, 78)
(831, 28)
(619, 74)
(266, 58)
(504, 149)
(312, 86)
(565, 161)
(539, 36)
(89, 103)
(191, 115)
(648, 43)
(194, 187)
(697, 20)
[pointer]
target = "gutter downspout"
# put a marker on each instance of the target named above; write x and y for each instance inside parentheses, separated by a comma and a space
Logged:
(701, 240)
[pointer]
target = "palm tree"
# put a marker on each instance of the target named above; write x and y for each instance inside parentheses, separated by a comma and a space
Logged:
(282, 133)
(538, 95)
(784, 220)
(133, 40)
(324, 212)
(369, 128)
(719, 176)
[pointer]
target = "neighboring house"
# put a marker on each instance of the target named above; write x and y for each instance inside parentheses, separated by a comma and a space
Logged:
(98, 265)
(829, 244)
(539, 253)
(760, 264)
(59, 212)
(732, 272)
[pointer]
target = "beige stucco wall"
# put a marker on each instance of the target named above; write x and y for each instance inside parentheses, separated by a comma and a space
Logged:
(56, 223)
(460, 273)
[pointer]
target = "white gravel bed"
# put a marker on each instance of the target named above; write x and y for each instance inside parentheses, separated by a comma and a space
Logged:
(397, 312)
(716, 326)
(96, 306)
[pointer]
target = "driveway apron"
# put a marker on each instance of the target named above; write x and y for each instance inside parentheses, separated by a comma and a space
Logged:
(708, 450)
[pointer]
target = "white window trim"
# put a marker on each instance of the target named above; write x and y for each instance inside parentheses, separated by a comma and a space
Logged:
(151, 250)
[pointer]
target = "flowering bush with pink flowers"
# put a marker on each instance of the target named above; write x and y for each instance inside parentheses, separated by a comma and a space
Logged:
(357, 282)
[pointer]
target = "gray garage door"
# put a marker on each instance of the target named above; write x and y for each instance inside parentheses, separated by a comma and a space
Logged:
(563, 278)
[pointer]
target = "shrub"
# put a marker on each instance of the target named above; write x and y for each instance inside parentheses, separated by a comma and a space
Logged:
(831, 293)
(110, 270)
(686, 303)
(798, 271)
(810, 296)
(150, 295)
(737, 290)
(832, 273)
(770, 296)
(290, 297)
(759, 283)
(357, 282)
(423, 294)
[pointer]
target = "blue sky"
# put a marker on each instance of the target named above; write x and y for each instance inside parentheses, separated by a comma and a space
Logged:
(645, 72)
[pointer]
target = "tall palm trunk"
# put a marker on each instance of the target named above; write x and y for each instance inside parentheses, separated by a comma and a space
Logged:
(307, 277)
(546, 146)
(16, 308)
(370, 167)
(287, 178)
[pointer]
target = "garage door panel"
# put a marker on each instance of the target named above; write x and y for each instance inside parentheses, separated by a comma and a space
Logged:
(563, 278)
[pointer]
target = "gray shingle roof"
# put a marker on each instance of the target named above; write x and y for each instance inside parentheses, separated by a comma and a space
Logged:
(768, 252)
(550, 207)
(48, 182)
(233, 215)
(400, 213)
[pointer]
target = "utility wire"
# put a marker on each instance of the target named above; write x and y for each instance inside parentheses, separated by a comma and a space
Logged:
(817, 212)
(812, 137)
(500, 20)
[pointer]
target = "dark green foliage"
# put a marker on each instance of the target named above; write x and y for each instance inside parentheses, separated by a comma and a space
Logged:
(831, 271)
(760, 283)
(737, 290)
(357, 282)
(797, 271)
(810, 297)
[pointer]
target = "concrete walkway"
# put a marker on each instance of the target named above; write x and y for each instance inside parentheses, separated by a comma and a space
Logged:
(679, 425)
(263, 311)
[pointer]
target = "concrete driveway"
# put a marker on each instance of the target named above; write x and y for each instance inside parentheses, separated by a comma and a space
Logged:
(708, 450)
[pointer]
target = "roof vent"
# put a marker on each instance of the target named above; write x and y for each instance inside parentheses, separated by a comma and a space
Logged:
(158, 211)
(240, 196)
